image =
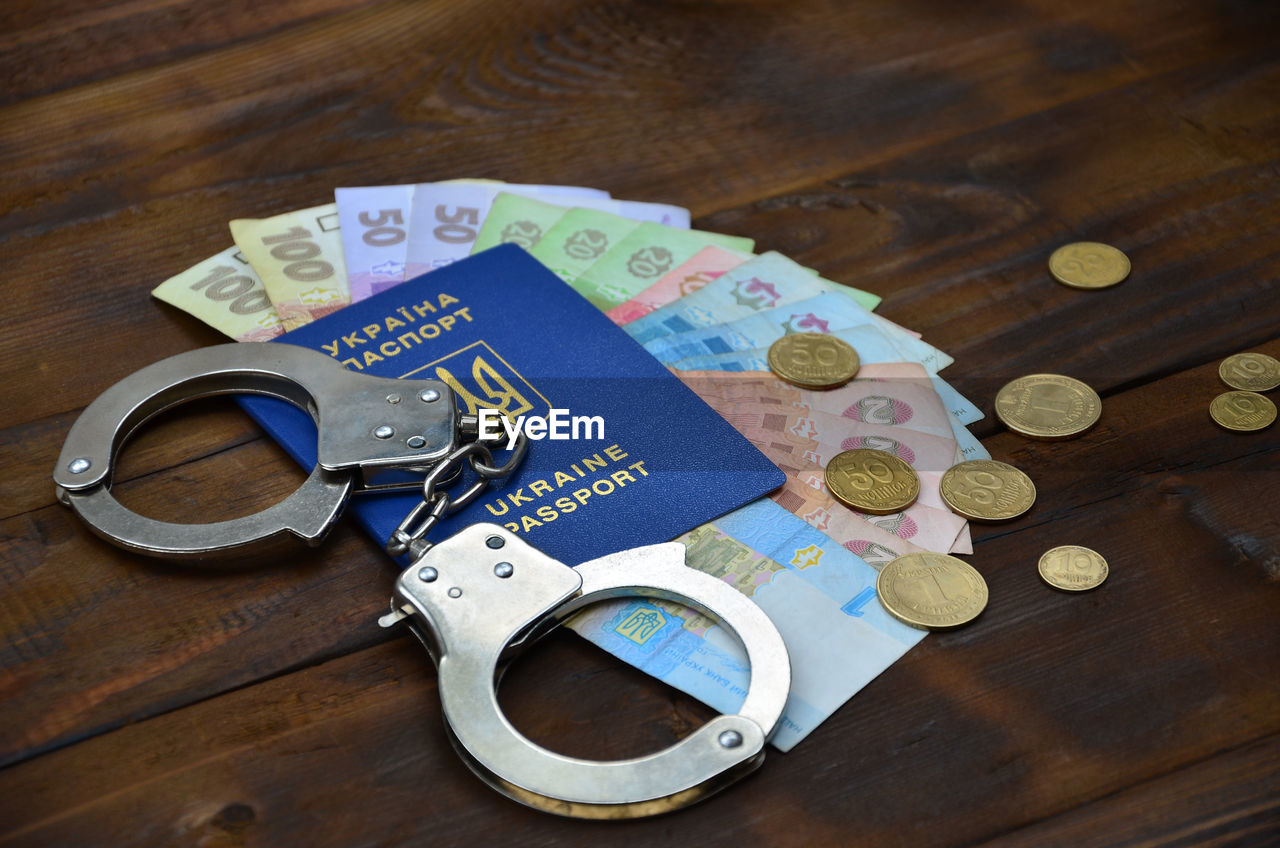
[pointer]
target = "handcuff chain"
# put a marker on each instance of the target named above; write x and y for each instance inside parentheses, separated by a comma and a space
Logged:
(409, 536)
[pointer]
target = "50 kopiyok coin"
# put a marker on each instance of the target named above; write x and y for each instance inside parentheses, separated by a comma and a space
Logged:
(987, 490)
(813, 360)
(1089, 265)
(872, 481)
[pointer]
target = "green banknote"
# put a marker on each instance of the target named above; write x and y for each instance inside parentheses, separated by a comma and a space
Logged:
(642, 257)
(579, 239)
(518, 220)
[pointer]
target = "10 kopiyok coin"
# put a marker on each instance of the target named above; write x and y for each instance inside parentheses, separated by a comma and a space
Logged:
(1250, 372)
(1242, 412)
(1073, 568)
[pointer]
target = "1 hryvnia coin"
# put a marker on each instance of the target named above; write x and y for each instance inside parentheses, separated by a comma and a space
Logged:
(1242, 412)
(1048, 406)
(872, 481)
(931, 591)
(1250, 372)
(813, 360)
(986, 490)
(1072, 568)
(1088, 265)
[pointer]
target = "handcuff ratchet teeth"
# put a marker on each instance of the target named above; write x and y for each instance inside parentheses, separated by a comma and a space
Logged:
(475, 599)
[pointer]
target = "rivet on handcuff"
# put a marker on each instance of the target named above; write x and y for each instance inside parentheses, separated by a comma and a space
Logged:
(475, 600)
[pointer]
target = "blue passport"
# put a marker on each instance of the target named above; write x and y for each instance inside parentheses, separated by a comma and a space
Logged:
(650, 462)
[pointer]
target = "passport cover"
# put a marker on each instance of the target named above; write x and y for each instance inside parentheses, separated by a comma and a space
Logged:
(506, 332)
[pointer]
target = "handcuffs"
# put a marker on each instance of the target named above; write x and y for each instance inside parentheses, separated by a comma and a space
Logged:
(475, 600)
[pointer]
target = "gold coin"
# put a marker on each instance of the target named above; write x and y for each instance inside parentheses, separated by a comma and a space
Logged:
(1252, 372)
(1088, 265)
(872, 481)
(813, 360)
(1242, 412)
(1072, 568)
(986, 490)
(1048, 406)
(931, 591)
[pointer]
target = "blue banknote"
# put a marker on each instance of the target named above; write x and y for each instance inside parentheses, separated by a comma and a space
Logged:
(875, 339)
(820, 596)
(766, 282)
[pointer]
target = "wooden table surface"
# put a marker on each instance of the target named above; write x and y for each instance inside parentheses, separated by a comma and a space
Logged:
(932, 152)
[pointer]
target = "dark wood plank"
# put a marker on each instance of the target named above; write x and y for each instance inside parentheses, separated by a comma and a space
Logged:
(192, 482)
(193, 431)
(363, 736)
(1240, 787)
(142, 651)
(976, 281)
(1173, 660)
(960, 253)
(957, 236)
(930, 152)
(389, 93)
(180, 494)
(48, 47)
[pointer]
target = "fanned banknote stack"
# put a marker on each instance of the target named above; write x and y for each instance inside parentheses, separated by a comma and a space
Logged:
(708, 308)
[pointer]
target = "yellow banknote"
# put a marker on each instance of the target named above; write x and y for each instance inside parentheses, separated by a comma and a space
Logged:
(226, 293)
(299, 257)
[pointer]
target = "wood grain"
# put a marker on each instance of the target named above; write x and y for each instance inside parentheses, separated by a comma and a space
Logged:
(1238, 785)
(277, 122)
(1144, 665)
(934, 153)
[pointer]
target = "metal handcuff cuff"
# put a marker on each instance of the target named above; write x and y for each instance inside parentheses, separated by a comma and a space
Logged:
(474, 600)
